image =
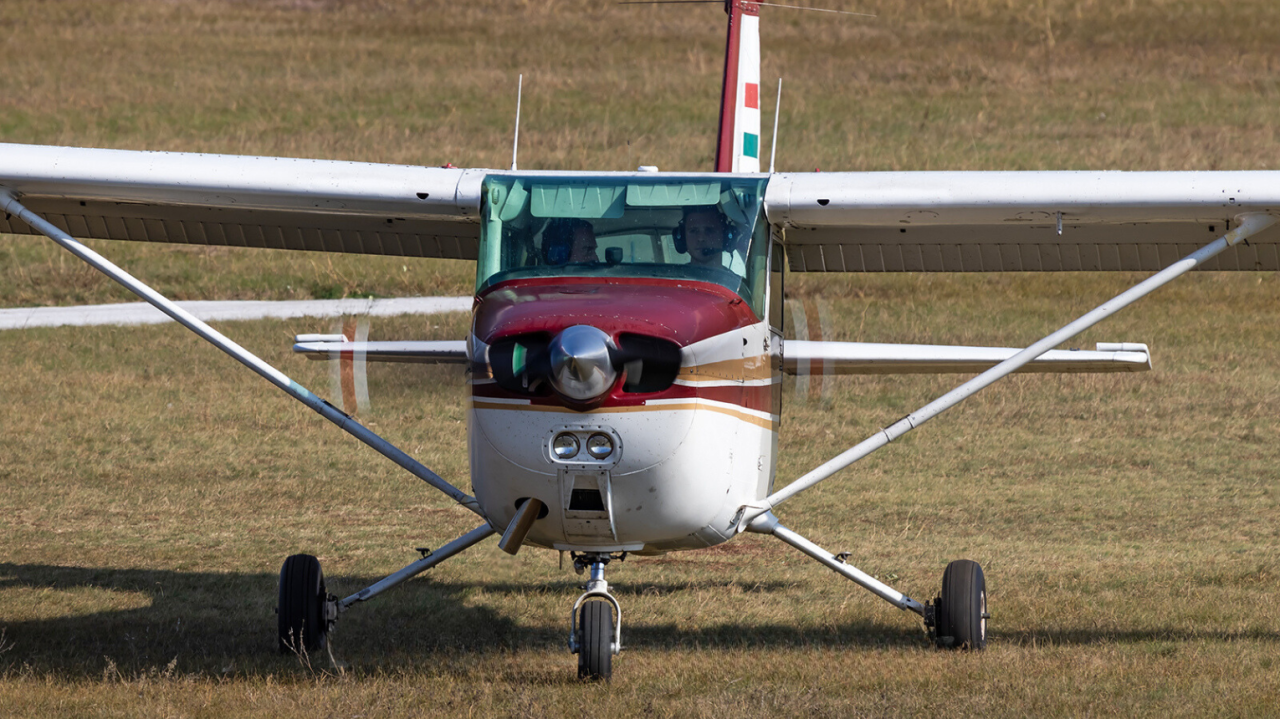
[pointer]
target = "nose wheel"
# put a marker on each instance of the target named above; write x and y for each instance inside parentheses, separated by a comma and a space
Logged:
(960, 612)
(595, 641)
(594, 634)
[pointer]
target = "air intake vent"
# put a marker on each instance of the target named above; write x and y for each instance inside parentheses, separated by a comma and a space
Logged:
(651, 364)
(520, 365)
(586, 500)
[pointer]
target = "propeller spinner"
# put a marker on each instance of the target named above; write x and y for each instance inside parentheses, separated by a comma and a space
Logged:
(582, 367)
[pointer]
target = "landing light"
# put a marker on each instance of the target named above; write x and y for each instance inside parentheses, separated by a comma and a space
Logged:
(599, 446)
(565, 446)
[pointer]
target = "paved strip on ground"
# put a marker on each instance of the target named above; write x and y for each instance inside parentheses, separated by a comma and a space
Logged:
(141, 313)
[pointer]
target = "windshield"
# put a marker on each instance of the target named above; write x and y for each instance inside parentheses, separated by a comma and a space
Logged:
(698, 228)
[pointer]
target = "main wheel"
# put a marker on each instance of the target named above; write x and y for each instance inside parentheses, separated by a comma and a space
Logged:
(595, 641)
(302, 625)
(961, 611)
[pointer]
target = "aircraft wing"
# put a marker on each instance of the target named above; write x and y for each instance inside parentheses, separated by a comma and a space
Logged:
(242, 201)
(815, 358)
(1009, 221)
(834, 222)
(325, 347)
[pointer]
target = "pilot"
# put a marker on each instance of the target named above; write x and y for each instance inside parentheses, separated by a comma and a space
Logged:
(707, 235)
(569, 240)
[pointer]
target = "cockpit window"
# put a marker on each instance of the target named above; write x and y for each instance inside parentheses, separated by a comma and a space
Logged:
(698, 227)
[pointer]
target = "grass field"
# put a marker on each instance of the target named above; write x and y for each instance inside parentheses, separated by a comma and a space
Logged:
(151, 487)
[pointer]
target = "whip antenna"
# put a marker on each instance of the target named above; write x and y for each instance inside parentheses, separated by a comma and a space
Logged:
(515, 145)
(773, 143)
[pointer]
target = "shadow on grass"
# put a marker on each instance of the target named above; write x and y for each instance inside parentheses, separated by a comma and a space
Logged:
(225, 624)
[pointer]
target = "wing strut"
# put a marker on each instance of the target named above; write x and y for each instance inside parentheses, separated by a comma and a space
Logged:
(1249, 224)
(240, 354)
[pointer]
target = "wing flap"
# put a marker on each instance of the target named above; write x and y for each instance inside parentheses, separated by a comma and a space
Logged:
(816, 358)
(318, 232)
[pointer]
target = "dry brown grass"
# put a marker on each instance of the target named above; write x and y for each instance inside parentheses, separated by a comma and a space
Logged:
(151, 486)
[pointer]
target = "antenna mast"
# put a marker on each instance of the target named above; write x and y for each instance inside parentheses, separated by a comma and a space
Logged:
(515, 145)
(773, 143)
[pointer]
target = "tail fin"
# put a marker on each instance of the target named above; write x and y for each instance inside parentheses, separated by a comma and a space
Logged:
(738, 148)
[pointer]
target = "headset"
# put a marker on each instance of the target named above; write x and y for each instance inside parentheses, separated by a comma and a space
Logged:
(727, 227)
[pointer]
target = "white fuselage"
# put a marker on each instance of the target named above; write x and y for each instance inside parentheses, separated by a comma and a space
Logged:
(681, 467)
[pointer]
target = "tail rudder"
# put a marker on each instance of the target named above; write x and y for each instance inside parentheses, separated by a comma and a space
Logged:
(738, 146)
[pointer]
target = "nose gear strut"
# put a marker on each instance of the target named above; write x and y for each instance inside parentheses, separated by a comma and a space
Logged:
(595, 635)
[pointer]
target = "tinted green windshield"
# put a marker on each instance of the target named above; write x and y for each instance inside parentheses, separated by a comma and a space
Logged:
(698, 228)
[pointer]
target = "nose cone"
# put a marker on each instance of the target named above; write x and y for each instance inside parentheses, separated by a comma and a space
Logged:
(580, 364)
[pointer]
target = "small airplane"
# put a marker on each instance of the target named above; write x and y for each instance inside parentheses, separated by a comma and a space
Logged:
(626, 352)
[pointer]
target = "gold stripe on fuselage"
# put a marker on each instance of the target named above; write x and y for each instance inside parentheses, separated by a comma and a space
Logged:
(689, 405)
(747, 368)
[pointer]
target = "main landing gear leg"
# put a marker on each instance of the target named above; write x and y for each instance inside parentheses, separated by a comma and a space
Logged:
(957, 619)
(307, 612)
(595, 636)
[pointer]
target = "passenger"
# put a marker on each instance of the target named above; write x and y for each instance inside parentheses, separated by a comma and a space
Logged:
(706, 235)
(569, 240)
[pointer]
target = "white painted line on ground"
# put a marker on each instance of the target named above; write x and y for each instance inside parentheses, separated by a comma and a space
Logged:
(141, 313)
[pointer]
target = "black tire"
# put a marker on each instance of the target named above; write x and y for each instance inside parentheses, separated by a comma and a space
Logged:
(962, 608)
(302, 625)
(595, 641)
